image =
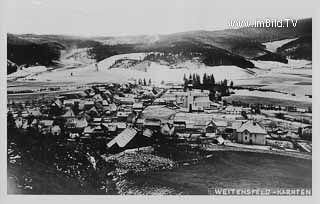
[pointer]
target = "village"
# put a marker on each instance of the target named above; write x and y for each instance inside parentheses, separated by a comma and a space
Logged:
(138, 127)
(126, 116)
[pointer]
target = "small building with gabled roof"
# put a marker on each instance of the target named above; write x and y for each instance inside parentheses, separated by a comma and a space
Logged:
(68, 114)
(251, 132)
(123, 138)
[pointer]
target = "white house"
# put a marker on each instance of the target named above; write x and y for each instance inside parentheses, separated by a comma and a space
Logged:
(251, 132)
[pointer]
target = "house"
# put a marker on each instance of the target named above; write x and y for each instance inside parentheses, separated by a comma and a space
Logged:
(93, 112)
(87, 132)
(101, 89)
(105, 103)
(56, 130)
(197, 100)
(85, 115)
(233, 110)
(69, 102)
(139, 123)
(202, 102)
(306, 133)
(97, 97)
(112, 128)
(76, 124)
(88, 104)
(180, 126)
(217, 127)
(302, 110)
(251, 132)
(148, 94)
(123, 138)
(167, 129)
(100, 131)
(19, 122)
(68, 114)
(34, 123)
(45, 126)
(113, 107)
(81, 105)
(122, 116)
(125, 108)
(196, 127)
(24, 114)
(120, 125)
(99, 106)
(159, 101)
(156, 91)
(34, 112)
(138, 107)
(80, 122)
(25, 124)
(131, 117)
(124, 100)
(231, 130)
(94, 131)
(73, 136)
(152, 123)
(147, 133)
(57, 103)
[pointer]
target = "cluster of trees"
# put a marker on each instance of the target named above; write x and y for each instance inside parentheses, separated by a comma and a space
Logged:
(33, 54)
(11, 67)
(100, 52)
(217, 89)
(171, 57)
(144, 82)
(173, 52)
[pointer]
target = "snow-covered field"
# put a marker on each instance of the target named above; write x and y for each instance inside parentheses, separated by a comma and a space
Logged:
(76, 56)
(156, 72)
(292, 64)
(273, 95)
(25, 72)
(272, 46)
(107, 63)
(293, 78)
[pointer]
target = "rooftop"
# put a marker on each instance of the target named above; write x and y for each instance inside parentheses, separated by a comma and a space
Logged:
(252, 127)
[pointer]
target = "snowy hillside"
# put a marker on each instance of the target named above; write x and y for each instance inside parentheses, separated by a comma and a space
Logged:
(155, 71)
(272, 46)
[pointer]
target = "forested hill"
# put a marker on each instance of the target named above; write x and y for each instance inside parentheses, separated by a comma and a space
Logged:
(224, 47)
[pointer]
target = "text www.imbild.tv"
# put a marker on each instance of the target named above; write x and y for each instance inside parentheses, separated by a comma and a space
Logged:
(265, 23)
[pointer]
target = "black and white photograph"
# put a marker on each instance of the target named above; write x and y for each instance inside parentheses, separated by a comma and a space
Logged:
(166, 97)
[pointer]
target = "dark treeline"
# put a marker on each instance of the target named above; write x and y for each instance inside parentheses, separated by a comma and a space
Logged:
(300, 48)
(32, 54)
(29, 50)
(217, 89)
(24, 52)
(11, 67)
(209, 55)
(272, 57)
(101, 52)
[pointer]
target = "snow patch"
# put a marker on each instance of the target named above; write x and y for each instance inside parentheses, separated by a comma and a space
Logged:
(272, 46)
(24, 72)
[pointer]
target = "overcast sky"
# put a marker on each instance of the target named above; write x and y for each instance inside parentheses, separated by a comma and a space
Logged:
(133, 17)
